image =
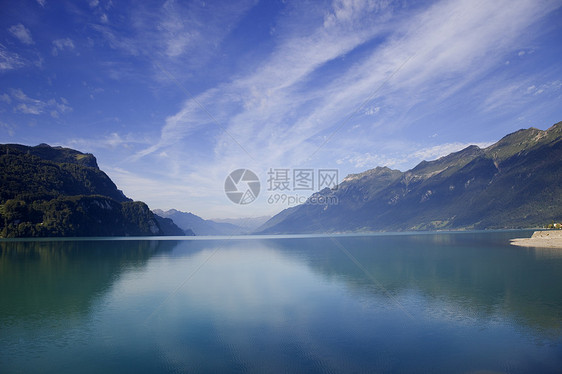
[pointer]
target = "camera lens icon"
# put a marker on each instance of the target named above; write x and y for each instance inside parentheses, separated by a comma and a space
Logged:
(242, 186)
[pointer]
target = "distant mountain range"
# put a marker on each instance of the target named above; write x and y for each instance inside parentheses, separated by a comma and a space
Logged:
(200, 226)
(514, 183)
(248, 225)
(55, 191)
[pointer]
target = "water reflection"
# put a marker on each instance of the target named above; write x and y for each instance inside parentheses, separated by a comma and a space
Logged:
(437, 303)
(42, 278)
(479, 277)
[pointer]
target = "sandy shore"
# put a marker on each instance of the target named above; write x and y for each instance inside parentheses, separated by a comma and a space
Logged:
(544, 239)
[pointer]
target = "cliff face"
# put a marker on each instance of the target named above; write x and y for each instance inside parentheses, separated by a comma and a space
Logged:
(54, 191)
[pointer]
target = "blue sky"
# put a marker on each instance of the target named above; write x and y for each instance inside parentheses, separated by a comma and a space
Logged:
(171, 96)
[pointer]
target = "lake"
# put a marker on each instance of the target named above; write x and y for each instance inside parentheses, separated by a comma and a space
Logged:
(394, 303)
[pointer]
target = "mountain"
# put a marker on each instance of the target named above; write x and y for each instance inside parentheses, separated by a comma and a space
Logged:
(200, 226)
(247, 224)
(168, 227)
(44, 171)
(55, 191)
(514, 183)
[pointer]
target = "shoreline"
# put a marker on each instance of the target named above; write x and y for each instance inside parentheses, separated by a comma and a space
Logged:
(542, 239)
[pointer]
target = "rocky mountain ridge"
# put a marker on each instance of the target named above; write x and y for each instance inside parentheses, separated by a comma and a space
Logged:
(514, 183)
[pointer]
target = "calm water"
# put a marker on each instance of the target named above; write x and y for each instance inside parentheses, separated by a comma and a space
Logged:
(443, 303)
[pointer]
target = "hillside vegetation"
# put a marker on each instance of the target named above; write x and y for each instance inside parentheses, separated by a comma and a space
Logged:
(54, 191)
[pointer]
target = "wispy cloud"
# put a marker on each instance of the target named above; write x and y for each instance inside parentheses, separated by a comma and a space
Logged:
(27, 105)
(405, 160)
(450, 45)
(10, 60)
(60, 45)
(518, 92)
(21, 33)
(112, 140)
(440, 150)
(175, 35)
(5, 98)
(255, 107)
(273, 109)
(7, 128)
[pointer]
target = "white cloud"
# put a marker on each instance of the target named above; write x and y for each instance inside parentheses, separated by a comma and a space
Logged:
(42, 3)
(518, 91)
(21, 33)
(28, 108)
(8, 128)
(59, 107)
(185, 28)
(18, 94)
(405, 160)
(175, 34)
(459, 40)
(60, 45)
(440, 150)
(372, 110)
(113, 140)
(548, 87)
(347, 11)
(272, 110)
(10, 60)
(255, 105)
(123, 43)
(5, 98)
(28, 105)
(368, 161)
